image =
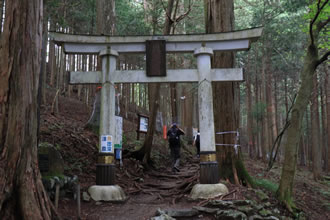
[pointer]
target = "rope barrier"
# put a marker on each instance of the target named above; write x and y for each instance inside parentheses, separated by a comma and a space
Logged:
(234, 145)
(228, 145)
(228, 132)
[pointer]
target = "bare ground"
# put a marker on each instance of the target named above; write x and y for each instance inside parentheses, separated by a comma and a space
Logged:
(156, 187)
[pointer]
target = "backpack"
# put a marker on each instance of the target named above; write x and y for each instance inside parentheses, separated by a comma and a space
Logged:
(173, 137)
(197, 140)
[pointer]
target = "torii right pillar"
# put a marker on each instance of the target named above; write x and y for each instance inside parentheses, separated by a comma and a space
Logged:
(208, 163)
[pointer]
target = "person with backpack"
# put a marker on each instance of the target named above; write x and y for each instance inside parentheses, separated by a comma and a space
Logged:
(196, 143)
(173, 136)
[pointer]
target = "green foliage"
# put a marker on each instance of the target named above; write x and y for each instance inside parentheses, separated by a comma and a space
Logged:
(315, 8)
(78, 15)
(266, 184)
(130, 18)
(323, 15)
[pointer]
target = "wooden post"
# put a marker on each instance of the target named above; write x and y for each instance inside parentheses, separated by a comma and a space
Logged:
(78, 201)
(57, 194)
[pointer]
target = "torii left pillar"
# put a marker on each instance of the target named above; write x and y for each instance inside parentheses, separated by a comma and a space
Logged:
(105, 168)
(208, 163)
(105, 188)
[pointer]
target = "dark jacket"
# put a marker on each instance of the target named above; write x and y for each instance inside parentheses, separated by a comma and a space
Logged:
(173, 136)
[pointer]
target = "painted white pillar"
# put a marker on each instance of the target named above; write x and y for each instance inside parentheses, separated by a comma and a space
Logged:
(107, 117)
(105, 168)
(209, 166)
(205, 99)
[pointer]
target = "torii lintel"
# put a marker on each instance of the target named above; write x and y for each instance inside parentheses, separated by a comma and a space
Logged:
(91, 44)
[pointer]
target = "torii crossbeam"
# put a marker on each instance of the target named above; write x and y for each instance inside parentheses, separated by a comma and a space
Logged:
(202, 45)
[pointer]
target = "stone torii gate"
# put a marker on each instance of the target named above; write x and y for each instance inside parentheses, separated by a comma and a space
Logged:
(202, 45)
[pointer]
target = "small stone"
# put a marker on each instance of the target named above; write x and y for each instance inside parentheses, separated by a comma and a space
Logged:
(256, 217)
(246, 209)
(222, 204)
(276, 211)
(267, 204)
(265, 212)
(181, 212)
(242, 202)
(271, 218)
(302, 216)
(162, 217)
(207, 191)
(261, 195)
(205, 209)
(86, 197)
(258, 207)
(231, 214)
(98, 203)
(52, 183)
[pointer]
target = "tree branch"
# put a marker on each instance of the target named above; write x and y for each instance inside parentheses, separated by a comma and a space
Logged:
(321, 25)
(323, 58)
(319, 9)
(184, 14)
(166, 12)
(278, 139)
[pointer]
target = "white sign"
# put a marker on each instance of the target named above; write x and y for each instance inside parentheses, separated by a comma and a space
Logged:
(107, 144)
(118, 132)
(143, 124)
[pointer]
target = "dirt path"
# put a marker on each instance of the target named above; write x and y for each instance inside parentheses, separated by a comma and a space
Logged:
(156, 188)
(160, 189)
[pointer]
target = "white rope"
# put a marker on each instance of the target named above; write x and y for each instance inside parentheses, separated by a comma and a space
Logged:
(228, 132)
(234, 145)
(228, 145)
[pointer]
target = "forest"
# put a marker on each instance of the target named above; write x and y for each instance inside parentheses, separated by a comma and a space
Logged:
(271, 130)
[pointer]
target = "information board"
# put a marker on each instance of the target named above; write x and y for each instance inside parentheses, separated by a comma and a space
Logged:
(143, 124)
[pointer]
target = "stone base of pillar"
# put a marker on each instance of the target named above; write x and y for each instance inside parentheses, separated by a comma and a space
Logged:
(107, 193)
(209, 172)
(105, 174)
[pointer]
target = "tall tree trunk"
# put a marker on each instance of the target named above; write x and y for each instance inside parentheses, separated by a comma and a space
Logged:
(263, 92)
(257, 103)
(22, 195)
(52, 58)
(317, 151)
(153, 94)
(220, 18)
(43, 58)
(249, 111)
(327, 87)
(173, 102)
(309, 119)
(1, 13)
(323, 123)
(286, 95)
(272, 108)
(106, 17)
(311, 62)
(153, 91)
(302, 151)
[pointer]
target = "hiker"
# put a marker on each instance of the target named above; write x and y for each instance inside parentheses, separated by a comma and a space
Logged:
(197, 144)
(173, 136)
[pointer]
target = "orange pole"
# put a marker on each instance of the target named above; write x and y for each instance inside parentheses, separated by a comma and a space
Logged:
(164, 132)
